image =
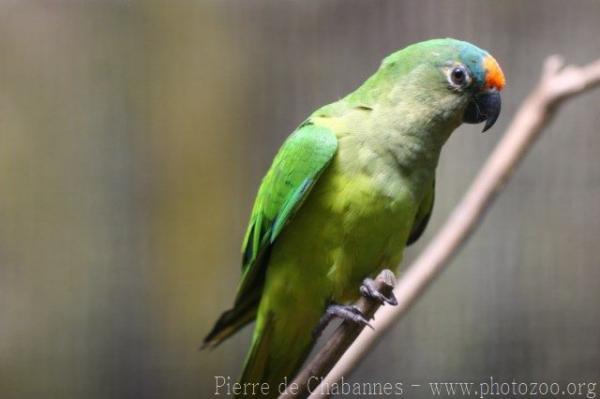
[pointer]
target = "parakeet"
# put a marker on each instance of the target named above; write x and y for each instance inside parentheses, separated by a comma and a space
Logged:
(349, 189)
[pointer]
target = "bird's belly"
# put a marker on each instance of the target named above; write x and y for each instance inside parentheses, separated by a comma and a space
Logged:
(376, 222)
(350, 227)
(357, 227)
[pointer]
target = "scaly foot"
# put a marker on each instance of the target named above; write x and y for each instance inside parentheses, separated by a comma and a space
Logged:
(344, 312)
(369, 290)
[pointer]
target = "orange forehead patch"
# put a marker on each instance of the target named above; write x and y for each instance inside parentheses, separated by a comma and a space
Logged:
(494, 78)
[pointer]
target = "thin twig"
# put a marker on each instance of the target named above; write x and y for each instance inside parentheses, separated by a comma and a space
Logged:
(556, 85)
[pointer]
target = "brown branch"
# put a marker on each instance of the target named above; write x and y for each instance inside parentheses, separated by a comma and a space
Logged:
(310, 376)
(556, 85)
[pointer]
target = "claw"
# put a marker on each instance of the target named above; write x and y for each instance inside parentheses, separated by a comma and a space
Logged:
(369, 290)
(344, 312)
(349, 313)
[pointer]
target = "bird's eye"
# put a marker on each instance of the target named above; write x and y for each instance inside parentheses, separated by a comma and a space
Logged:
(458, 76)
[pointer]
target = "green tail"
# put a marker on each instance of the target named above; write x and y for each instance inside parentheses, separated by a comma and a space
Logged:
(278, 350)
(232, 321)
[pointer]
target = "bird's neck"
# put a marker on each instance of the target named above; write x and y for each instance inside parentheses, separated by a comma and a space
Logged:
(417, 136)
(415, 120)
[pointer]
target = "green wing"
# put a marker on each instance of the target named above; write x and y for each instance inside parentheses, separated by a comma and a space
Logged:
(423, 215)
(295, 170)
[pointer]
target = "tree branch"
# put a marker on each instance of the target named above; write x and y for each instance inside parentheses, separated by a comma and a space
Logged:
(556, 84)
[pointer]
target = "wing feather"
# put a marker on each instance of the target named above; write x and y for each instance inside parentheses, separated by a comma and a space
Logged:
(423, 215)
(296, 168)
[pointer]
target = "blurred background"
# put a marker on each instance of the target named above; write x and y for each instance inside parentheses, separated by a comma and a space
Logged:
(133, 136)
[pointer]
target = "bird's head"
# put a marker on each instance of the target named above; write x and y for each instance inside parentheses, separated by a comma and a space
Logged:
(459, 80)
(476, 74)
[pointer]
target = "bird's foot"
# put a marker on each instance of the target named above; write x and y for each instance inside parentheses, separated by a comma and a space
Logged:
(369, 289)
(344, 312)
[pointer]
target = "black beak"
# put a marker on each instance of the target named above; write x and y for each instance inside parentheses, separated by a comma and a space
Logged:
(484, 107)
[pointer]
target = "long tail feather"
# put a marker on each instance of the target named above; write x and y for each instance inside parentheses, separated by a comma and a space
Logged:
(230, 322)
(278, 350)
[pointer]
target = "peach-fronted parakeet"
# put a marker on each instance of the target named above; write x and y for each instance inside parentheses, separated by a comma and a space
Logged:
(347, 191)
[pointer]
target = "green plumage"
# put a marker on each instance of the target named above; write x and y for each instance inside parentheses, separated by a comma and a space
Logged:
(345, 194)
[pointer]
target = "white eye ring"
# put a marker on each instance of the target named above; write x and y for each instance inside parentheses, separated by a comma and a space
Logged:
(458, 76)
